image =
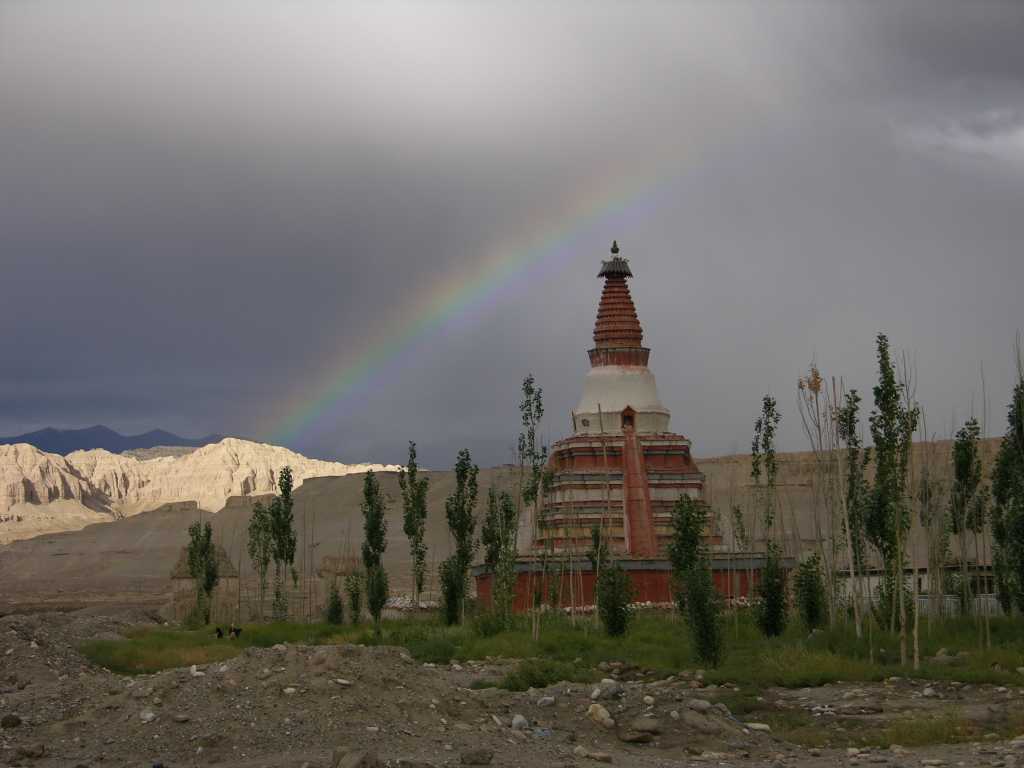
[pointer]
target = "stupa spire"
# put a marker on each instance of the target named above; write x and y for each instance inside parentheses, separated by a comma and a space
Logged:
(618, 336)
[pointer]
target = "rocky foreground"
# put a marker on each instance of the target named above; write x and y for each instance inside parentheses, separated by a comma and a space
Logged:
(346, 706)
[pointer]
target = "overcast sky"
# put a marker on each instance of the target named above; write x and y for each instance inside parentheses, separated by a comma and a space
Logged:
(212, 212)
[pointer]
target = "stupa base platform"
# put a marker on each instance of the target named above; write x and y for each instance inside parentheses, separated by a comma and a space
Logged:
(734, 576)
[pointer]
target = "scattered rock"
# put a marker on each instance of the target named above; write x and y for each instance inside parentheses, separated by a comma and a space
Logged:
(761, 727)
(607, 689)
(10, 721)
(929, 693)
(520, 723)
(701, 723)
(635, 737)
(645, 725)
(649, 700)
(600, 715)
(31, 751)
(699, 705)
(478, 756)
(147, 716)
(346, 757)
(546, 701)
(601, 757)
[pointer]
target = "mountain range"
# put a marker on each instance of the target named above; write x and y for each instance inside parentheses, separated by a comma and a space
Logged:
(65, 441)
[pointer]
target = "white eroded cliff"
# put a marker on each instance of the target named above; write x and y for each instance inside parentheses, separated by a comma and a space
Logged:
(110, 485)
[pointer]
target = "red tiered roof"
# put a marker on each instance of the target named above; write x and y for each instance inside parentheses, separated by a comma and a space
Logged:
(618, 337)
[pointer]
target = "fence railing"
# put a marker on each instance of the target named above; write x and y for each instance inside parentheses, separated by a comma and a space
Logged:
(948, 605)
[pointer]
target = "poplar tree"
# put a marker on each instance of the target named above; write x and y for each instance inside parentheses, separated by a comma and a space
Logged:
(498, 537)
(498, 526)
(283, 541)
(772, 610)
(414, 518)
(967, 499)
(460, 511)
(375, 530)
(354, 591)
(1008, 510)
(694, 587)
(260, 547)
(888, 514)
(203, 566)
(855, 497)
(532, 487)
(689, 518)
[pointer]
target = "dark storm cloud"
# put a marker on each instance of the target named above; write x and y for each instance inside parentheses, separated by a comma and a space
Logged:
(203, 210)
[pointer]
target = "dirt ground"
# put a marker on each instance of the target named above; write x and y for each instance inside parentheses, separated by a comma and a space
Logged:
(321, 707)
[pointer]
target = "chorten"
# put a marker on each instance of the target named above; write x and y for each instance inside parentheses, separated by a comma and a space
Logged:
(621, 470)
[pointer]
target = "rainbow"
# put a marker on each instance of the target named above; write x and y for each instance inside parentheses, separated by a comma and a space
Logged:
(505, 269)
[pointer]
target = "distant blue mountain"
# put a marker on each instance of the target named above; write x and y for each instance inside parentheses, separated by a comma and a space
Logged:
(65, 441)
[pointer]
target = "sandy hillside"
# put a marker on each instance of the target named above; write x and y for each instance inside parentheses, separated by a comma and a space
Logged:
(130, 560)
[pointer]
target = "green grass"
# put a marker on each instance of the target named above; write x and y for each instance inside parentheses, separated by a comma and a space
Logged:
(149, 650)
(655, 641)
(540, 673)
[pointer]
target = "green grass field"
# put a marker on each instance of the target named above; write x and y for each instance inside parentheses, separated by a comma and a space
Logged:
(655, 641)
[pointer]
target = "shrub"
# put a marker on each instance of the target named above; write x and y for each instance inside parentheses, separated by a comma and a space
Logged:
(354, 589)
(614, 594)
(810, 592)
(433, 650)
(771, 612)
(488, 624)
(335, 613)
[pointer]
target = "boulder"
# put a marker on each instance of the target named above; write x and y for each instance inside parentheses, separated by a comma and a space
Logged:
(699, 705)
